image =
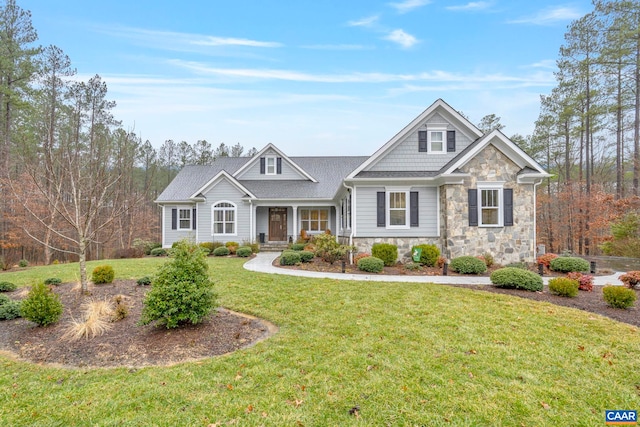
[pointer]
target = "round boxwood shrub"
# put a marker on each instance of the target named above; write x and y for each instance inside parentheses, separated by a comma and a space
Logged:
(23, 263)
(468, 265)
(619, 296)
(371, 264)
(52, 281)
(564, 287)
(158, 252)
(144, 281)
(306, 256)
(298, 246)
(429, 255)
(516, 278)
(221, 251)
(244, 251)
(387, 252)
(42, 306)
(567, 264)
(102, 274)
(10, 310)
(290, 258)
(7, 287)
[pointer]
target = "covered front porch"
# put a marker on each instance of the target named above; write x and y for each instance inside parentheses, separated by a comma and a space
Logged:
(282, 223)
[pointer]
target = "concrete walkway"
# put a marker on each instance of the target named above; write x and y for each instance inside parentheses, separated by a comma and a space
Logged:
(263, 263)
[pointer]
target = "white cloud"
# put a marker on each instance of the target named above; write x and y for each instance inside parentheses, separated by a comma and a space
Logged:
(338, 47)
(403, 39)
(409, 5)
(471, 6)
(550, 16)
(230, 41)
(364, 22)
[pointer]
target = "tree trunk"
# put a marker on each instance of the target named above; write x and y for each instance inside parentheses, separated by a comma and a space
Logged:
(84, 283)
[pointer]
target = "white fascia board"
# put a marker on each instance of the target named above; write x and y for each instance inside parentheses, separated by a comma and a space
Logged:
(268, 147)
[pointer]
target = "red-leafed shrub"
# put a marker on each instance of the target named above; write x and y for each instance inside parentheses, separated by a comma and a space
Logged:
(631, 279)
(359, 256)
(585, 281)
(546, 259)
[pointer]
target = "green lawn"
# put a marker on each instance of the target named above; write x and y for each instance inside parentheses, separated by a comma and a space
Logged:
(406, 354)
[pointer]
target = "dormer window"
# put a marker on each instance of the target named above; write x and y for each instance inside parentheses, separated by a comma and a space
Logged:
(271, 165)
(437, 141)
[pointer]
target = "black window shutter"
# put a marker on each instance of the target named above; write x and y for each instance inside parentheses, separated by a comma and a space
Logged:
(473, 207)
(279, 165)
(451, 141)
(422, 141)
(507, 196)
(413, 206)
(262, 165)
(381, 209)
(174, 219)
(193, 218)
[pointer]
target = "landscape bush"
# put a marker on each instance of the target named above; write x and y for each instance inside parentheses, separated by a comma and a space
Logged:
(489, 260)
(630, 279)
(42, 306)
(371, 264)
(521, 265)
(566, 264)
(290, 258)
(145, 245)
(144, 281)
(306, 256)
(429, 255)
(232, 246)
(255, 246)
(211, 246)
(23, 263)
(585, 281)
(359, 256)
(468, 265)
(619, 296)
(546, 259)
(10, 309)
(182, 291)
(324, 243)
(158, 252)
(387, 252)
(102, 274)
(516, 278)
(244, 251)
(412, 266)
(564, 287)
(221, 251)
(298, 246)
(52, 281)
(8, 286)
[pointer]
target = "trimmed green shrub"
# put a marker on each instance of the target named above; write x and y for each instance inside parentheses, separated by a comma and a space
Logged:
(10, 310)
(4, 299)
(23, 263)
(212, 246)
(619, 296)
(42, 306)
(290, 258)
(255, 246)
(182, 291)
(371, 264)
(566, 264)
(144, 281)
(205, 251)
(468, 265)
(564, 287)
(244, 251)
(8, 286)
(221, 251)
(102, 274)
(298, 246)
(429, 255)
(387, 252)
(52, 281)
(158, 252)
(306, 256)
(521, 265)
(324, 243)
(516, 278)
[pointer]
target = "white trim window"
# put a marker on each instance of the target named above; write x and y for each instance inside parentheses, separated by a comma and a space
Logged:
(397, 209)
(270, 165)
(490, 206)
(184, 218)
(314, 220)
(224, 218)
(437, 140)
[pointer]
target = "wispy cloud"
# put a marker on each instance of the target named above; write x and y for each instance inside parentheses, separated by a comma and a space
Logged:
(403, 39)
(364, 22)
(550, 16)
(337, 47)
(230, 41)
(409, 5)
(471, 6)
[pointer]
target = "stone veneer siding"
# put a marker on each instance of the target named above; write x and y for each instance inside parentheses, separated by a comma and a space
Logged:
(404, 244)
(506, 244)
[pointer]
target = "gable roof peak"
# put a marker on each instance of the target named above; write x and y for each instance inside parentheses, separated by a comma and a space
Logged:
(280, 153)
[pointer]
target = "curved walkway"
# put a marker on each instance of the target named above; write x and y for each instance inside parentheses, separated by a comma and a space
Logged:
(263, 263)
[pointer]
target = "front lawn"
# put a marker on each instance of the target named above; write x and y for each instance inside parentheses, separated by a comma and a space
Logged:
(403, 354)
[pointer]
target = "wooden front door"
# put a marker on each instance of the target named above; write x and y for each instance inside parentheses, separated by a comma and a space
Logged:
(277, 224)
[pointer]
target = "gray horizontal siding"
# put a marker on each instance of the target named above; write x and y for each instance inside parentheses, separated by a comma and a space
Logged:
(366, 214)
(223, 190)
(288, 171)
(172, 236)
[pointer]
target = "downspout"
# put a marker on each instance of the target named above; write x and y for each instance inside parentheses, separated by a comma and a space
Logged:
(351, 191)
(535, 215)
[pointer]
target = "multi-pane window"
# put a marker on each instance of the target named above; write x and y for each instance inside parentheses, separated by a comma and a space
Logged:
(314, 219)
(489, 207)
(224, 218)
(436, 141)
(184, 219)
(271, 165)
(398, 208)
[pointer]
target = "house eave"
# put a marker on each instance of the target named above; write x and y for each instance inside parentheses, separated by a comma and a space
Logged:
(532, 178)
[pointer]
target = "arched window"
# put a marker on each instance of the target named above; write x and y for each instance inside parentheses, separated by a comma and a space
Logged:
(224, 218)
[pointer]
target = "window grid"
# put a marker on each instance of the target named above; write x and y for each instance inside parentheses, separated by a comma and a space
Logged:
(224, 218)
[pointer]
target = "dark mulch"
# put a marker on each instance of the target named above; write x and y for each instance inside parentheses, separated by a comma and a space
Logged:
(127, 344)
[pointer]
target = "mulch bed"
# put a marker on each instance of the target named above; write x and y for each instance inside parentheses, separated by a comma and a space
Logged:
(126, 343)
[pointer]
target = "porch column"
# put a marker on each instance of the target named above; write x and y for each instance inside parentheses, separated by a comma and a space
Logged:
(337, 220)
(294, 208)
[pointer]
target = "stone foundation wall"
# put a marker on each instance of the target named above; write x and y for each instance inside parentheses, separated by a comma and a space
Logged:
(404, 244)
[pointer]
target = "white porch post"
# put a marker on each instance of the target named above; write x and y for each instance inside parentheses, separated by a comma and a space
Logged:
(294, 208)
(337, 220)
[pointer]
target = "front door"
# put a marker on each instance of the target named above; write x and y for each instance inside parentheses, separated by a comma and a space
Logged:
(278, 224)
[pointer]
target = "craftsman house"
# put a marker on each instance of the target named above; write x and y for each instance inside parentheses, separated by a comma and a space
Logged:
(439, 180)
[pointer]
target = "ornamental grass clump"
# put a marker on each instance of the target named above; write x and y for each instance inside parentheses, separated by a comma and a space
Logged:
(182, 291)
(564, 287)
(566, 264)
(516, 278)
(468, 265)
(619, 296)
(42, 306)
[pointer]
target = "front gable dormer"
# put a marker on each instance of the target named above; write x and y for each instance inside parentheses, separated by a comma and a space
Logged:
(271, 163)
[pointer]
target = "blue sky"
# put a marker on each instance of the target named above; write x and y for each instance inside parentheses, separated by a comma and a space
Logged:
(312, 77)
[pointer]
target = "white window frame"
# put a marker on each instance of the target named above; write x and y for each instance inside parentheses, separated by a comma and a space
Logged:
(430, 141)
(216, 208)
(270, 162)
(319, 221)
(491, 186)
(180, 218)
(407, 208)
